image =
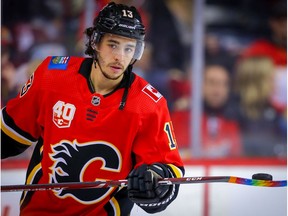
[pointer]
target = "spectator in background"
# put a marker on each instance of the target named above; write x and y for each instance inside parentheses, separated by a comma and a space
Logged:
(168, 51)
(220, 133)
(180, 89)
(23, 39)
(215, 52)
(48, 40)
(260, 122)
(8, 71)
(275, 47)
(164, 36)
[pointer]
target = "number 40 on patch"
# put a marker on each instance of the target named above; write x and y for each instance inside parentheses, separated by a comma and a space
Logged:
(63, 114)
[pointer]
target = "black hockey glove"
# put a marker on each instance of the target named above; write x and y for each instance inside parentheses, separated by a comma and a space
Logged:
(143, 187)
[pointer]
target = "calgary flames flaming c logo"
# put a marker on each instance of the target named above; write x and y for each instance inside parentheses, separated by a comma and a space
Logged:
(75, 162)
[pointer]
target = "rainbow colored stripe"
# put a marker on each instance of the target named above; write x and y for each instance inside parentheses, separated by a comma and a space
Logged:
(260, 183)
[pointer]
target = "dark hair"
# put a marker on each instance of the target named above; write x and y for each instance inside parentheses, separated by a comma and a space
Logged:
(89, 50)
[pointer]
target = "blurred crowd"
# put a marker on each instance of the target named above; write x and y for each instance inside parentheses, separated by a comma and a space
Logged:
(244, 86)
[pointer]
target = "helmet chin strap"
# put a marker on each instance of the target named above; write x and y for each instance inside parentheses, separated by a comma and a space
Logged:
(96, 61)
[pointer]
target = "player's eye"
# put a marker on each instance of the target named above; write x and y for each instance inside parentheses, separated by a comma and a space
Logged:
(112, 46)
(129, 50)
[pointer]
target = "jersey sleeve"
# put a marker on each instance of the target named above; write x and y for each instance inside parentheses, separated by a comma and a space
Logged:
(20, 127)
(156, 142)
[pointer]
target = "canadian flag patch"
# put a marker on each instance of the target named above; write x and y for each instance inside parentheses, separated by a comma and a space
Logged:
(152, 92)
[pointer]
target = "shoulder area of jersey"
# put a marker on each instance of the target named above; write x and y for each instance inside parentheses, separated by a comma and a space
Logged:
(152, 93)
(61, 62)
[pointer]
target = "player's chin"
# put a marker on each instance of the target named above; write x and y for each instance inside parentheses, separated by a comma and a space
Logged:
(114, 76)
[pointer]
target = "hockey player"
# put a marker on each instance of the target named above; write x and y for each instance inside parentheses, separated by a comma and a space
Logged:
(93, 119)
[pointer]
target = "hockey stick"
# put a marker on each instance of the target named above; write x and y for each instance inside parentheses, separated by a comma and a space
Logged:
(165, 181)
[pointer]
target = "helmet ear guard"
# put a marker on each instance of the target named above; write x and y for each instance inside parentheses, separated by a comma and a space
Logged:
(95, 39)
(140, 46)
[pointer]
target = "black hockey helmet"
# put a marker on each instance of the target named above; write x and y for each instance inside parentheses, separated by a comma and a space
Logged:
(120, 20)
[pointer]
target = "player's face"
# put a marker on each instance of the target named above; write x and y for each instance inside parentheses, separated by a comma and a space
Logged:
(115, 54)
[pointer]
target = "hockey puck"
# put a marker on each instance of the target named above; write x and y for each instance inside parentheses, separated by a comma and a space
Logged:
(262, 176)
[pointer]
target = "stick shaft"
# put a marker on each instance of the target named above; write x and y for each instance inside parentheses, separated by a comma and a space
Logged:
(123, 183)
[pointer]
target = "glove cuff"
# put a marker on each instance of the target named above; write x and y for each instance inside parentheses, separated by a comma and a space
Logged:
(160, 169)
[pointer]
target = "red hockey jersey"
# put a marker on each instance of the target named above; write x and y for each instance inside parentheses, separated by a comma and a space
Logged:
(83, 136)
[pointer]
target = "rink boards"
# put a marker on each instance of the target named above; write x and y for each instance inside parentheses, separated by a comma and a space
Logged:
(211, 199)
